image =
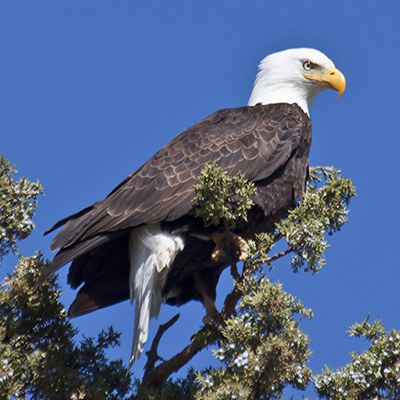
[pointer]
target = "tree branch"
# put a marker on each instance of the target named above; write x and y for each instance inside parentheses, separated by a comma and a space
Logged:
(158, 375)
(234, 296)
(276, 256)
(152, 354)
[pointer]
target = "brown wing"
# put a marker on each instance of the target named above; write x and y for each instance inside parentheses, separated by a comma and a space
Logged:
(254, 140)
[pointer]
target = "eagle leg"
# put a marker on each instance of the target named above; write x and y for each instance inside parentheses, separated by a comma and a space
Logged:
(212, 317)
(212, 314)
(229, 246)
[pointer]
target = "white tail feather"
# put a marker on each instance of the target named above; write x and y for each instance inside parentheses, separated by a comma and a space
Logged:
(151, 253)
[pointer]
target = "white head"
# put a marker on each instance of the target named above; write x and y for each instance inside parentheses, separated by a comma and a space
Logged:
(295, 76)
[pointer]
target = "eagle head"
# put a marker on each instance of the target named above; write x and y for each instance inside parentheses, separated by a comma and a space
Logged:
(295, 76)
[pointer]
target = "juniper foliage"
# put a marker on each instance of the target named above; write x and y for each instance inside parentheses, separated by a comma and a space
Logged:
(259, 350)
(222, 198)
(18, 200)
(372, 374)
(40, 357)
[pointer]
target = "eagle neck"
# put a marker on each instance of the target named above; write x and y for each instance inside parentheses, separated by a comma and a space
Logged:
(266, 93)
(274, 84)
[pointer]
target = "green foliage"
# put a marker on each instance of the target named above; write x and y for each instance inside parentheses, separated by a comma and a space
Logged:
(39, 358)
(220, 197)
(38, 353)
(261, 245)
(18, 200)
(372, 374)
(323, 210)
(262, 348)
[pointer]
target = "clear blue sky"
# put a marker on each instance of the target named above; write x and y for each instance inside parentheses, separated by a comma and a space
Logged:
(90, 90)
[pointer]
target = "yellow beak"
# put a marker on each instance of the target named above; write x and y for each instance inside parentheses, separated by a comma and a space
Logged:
(332, 78)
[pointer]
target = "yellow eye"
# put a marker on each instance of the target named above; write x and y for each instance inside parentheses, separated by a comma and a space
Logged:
(308, 65)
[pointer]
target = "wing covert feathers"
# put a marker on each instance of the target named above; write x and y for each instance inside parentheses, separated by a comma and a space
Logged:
(117, 247)
(253, 140)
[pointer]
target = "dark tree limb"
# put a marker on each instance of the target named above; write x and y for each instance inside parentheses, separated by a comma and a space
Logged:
(156, 376)
(152, 354)
(234, 296)
(276, 256)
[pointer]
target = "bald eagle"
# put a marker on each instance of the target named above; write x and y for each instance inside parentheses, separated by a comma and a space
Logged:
(143, 242)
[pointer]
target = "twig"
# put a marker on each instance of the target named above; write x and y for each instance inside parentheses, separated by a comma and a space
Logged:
(230, 303)
(234, 296)
(157, 376)
(152, 354)
(276, 256)
(235, 273)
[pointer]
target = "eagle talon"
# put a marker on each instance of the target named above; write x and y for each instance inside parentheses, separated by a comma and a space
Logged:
(229, 246)
(212, 318)
(217, 254)
(136, 234)
(241, 245)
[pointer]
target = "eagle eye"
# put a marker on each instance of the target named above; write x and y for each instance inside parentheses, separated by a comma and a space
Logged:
(308, 65)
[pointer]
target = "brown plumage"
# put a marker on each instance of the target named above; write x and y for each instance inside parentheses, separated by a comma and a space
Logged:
(269, 144)
(142, 241)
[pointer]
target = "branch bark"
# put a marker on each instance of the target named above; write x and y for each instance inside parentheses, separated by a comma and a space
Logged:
(158, 375)
(155, 376)
(276, 256)
(152, 354)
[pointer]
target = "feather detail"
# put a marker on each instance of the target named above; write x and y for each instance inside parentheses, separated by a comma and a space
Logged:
(151, 253)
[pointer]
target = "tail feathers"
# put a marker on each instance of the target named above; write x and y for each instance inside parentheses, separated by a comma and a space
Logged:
(151, 253)
(67, 254)
(143, 288)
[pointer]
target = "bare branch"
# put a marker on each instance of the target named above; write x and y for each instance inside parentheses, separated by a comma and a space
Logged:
(152, 354)
(276, 256)
(158, 375)
(232, 298)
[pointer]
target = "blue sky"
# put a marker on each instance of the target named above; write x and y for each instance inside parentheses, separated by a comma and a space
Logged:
(90, 90)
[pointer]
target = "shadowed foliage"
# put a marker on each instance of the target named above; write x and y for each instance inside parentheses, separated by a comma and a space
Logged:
(259, 347)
